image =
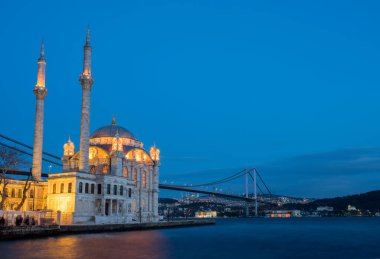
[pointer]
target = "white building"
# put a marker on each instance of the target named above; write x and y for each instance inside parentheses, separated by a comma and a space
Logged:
(121, 185)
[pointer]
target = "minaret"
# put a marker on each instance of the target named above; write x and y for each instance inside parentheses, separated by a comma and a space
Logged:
(40, 91)
(86, 81)
(155, 155)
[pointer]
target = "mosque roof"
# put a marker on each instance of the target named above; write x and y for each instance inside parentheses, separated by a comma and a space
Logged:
(111, 130)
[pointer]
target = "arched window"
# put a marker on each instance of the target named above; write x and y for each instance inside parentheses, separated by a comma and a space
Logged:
(125, 171)
(105, 169)
(31, 194)
(62, 187)
(13, 193)
(144, 179)
(86, 188)
(80, 187)
(92, 188)
(54, 188)
(69, 187)
(135, 177)
(93, 169)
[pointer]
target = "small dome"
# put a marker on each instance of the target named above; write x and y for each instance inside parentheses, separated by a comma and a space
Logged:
(111, 131)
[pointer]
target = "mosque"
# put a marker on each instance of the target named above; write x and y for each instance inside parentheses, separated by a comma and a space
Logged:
(111, 179)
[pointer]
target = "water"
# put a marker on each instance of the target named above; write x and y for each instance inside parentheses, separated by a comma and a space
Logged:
(229, 238)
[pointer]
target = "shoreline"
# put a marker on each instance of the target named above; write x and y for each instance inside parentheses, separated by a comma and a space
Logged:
(24, 232)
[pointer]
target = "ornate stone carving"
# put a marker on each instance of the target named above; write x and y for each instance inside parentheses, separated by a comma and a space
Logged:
(40, 92)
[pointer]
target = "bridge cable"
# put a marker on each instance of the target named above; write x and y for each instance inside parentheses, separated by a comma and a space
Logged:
(262, 180)
(223, 180)
(27, 146)
(258, 186)
(27, 153)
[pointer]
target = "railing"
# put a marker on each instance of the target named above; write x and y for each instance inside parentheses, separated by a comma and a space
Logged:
(31, 218)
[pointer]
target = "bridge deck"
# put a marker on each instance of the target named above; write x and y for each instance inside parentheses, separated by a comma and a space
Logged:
(219, 194)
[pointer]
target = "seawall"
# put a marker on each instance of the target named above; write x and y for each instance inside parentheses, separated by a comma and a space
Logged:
(9, 233)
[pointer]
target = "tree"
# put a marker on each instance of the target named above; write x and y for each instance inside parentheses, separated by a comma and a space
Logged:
(11, 160)
(25, 190)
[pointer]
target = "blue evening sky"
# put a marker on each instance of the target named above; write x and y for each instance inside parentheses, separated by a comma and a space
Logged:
(289, 87)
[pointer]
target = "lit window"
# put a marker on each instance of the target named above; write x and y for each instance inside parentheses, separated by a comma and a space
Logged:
(19, 193)
(125, 170)
(31, 194)
(69, 187)
(105, 169)
(144, 179)
(93, 169)
(54, 188)
(13, 193)
(135, 177)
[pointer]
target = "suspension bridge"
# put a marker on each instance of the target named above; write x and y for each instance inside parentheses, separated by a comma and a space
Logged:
(251, 175)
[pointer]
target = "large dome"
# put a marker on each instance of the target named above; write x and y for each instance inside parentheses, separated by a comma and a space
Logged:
(111, 130)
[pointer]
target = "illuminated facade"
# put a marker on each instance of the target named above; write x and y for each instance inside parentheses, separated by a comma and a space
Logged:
(121, 185)
(36, 196)
(206, 214)
(111, 179)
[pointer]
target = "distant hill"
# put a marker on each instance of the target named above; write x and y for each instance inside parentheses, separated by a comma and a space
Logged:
(167, 200)
(364, 201)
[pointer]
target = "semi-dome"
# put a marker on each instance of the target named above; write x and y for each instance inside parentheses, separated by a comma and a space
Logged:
(111, 130)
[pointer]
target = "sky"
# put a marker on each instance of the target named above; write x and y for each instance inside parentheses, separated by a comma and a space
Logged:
(288, 87)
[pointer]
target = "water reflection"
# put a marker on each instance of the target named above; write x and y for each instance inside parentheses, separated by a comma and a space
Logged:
(142, 244)
(356, 237)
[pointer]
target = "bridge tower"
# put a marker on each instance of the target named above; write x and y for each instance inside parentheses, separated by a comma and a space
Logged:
(40, 91)
(255, 190)
(246, 194)
(86, 81)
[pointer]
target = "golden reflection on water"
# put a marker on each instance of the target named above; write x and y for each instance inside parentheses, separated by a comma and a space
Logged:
(139, 244)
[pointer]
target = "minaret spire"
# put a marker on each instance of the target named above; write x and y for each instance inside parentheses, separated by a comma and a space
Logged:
(87, 55)
(41, 67)
(88, 35)
(86, 81)
(42, 51)
(40, 91)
